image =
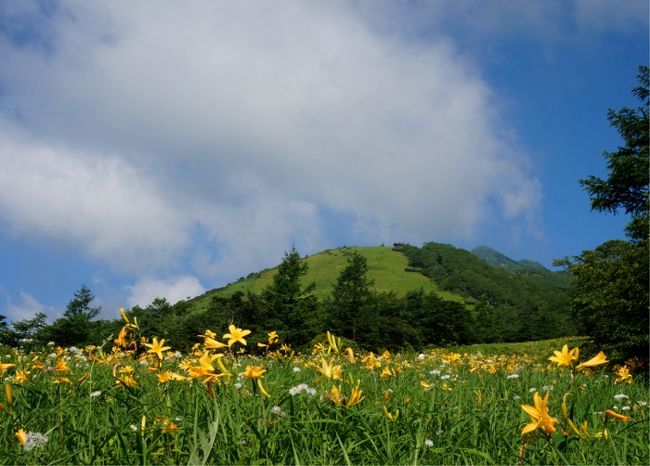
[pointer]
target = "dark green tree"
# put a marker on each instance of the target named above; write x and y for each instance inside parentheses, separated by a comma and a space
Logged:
(610, 290)
(291, 307)
(351, 296)
(76, 325)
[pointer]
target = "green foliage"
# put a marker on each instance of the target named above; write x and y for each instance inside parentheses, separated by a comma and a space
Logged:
(293, 306)
(76, 326)
(610, 296)
(510, 306)
(349, 305)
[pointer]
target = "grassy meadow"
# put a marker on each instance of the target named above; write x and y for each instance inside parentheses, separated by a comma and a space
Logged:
(141, 402)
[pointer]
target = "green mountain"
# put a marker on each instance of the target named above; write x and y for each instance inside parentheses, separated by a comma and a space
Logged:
(435, 294)
(497, 259)
(388, 268)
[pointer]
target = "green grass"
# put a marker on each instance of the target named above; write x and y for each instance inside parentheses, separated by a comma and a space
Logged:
(386, 268)
(469, 415)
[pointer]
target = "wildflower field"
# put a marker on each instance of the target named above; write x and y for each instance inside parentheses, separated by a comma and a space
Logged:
(136, 400)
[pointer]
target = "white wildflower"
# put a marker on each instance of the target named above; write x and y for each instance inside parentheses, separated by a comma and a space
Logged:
(237, 385)
(516, 397)
(547, 388)
(642, 403)
(445, 377)
(620, 396)
(95, 394)
(296, 369)
(428, 443)
(422, 357)
(532, 390)
(278, 411)
(133, 427)
(512, 376)
(434, 372)
(34, 440)
(625, 408)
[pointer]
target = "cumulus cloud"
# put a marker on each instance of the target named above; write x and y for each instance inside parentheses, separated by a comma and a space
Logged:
(99, 204)
(228, 127)
(25, 308)
(145, 290)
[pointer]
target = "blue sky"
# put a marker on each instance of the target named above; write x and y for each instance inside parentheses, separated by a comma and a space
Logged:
(163, 150)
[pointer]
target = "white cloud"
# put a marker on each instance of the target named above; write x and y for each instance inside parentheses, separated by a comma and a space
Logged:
(239, 122)
(145, 290)
(98, 203)
(25, 308)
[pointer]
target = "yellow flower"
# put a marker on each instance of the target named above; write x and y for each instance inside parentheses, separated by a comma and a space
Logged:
(334, 343)
(61, 365)
(4, 367)
(370, 361)
(21, 435)
(597, 360)
(157, 347)
(235, 335)
(355, 396)
(386, 373)
(9, 394)
(211, 343)
(349, 353)
(565, 357)
(206, 369)
(623, 374)
(329, 370)
(21, 376)
(273, 337)
(168, 376)
(254, 372)
(539, 416)
(335, 395)
(618, 417)
(391, 417)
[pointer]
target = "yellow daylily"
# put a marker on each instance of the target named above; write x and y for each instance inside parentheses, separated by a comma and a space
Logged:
(539, 416)
(623, 374)
(565, 357)
(254, 372)
(235, 335)
(617, 416)
(597, 360)
(157, 347)
(21, 435)
(329, 370)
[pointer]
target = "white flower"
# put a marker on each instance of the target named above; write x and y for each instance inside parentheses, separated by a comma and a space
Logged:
(237, 385)
(642, 403)
(95, 394)
(445, 377)
(278, 411)
(422, 357)
(34, 440)
(516, 397)
(428, 443)
(547, 388)
(296, 369)
(533, 389)
(620, 396)
(434, 372)
(625, 408)
(133, 427)
(513, 376)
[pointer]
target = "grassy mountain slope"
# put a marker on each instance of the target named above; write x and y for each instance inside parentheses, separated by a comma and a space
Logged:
(386, 267)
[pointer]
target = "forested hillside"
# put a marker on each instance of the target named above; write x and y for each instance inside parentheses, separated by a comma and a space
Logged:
(376, 297)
